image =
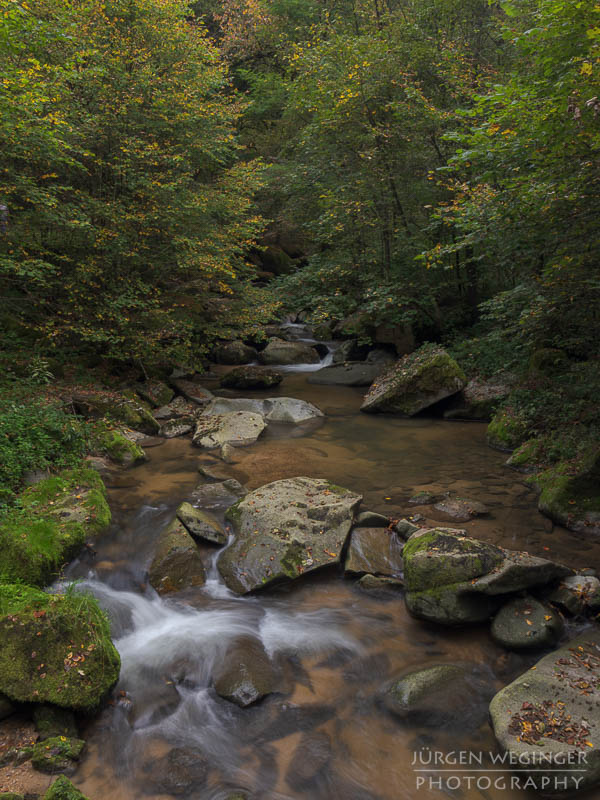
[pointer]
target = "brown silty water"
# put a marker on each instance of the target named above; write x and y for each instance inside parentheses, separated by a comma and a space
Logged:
(324, 733)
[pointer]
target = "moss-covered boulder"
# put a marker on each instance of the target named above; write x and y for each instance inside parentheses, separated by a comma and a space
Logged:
(54, 519)
(251, 378)
(286, 529)
(155, 392)
(235, 352)
(201, 525)
(526, 624)
(127, 409)
(58, 754)
(55, 649)
(63, 789)
(570, 492)
(548, 719)
(246, 674)
(177, 563)
(417, 381)
(453, 579)
(507, 430)
(528, 457)
(238, 428)
(377, 551)
(119, 448)
(281, 352)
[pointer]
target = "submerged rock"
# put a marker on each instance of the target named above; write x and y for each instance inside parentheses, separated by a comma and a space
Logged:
(42, 659)
(351, 373)
(452, 579)
(416, 382)
(219, 495)
(545, 718)
(286, 529)
(460, 509)
(272, 409)
(377, 551)
(177, 563)
(251, 378)
(526, 624)
(182, 771)
(309, 760)
(246, 675)
(281, 352)
(200, 524)
(237, 428)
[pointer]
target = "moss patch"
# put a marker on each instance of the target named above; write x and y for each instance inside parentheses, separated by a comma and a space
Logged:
(63, 789)
(55, 648)
(57, 754)
(119, 448)
(507, 430)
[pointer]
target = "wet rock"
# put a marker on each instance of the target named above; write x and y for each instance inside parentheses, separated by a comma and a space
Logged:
(416, 382)
(526, 624)
(578, 594)
(183, 771)
(237, 428)
(51, 721)
(285, 529)
(177, 408)
(234, 353)
(309, 760)
(247, 674)
(350, 350)
(425, 498)
(251, 378)
(405, 528)
(292, 718)
(451, 578)
(444, 695)
(281, 352)
(460, 509)
(177, 563)
(200, 524)
(370, 519)
(272, 409)
(63, 789)
(193, 392)
(176, 427)
(351, 373)
(378, 585)
(119, 448)
(57, 754)
(214, 472)
(218, 495)
(37, 661)
(227, 453)
(374, 550)
(545, 718)
(155, 392)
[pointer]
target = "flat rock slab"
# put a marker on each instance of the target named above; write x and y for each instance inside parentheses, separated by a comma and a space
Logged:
(549, 718)
(286, 529)
(526, 624)
(200, 524)
(460, 509)
(416, 382)
(377, 551)
(237, 428)
(193, 392)
(355, 373)
(272, 409)
(176, 427)
(177, 563)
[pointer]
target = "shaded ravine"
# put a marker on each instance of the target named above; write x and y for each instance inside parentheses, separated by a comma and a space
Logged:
(334, 646)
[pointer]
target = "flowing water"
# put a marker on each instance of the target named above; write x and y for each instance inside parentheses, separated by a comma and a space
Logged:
(324, 734)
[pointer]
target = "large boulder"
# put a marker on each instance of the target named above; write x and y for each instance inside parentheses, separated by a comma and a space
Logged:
(237, 428)
(453, 579)
(55, 649)
(526, 624)
(286, 529)
(246, 675)
(281, 352)
(273, 409)
(234, 353)
(377, 551)
(351, 373)
(415, 382)
(548, 719)
(177, 563)
(128, 410)
(251, 378)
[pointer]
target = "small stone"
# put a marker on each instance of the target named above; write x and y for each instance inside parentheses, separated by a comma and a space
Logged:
(526, 624)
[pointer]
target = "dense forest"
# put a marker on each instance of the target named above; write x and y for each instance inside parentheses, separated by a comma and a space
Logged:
(415, 178)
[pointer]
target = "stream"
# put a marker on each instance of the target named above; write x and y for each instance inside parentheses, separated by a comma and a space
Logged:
(324, 734)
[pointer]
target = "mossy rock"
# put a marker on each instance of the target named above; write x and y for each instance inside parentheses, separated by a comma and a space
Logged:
(528, 456)
(120, 449)
(51, 721)
(507, 430)
(155, 392)
(63, 789)
(570, 493)
(55, 518)
(126, 408)
(11, 796)
(408, 693)
(58, 754)
(415, 382)
(55, 649)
